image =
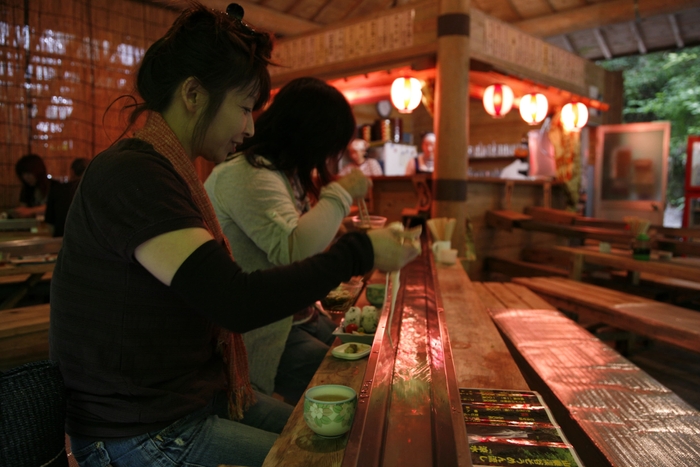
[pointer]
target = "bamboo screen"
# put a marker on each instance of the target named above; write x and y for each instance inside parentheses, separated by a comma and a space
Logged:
(63, 63)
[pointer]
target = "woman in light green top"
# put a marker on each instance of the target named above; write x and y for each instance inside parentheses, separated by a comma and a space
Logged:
(263, 198)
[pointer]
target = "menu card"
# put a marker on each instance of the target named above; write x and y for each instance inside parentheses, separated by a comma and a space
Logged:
(513, 428)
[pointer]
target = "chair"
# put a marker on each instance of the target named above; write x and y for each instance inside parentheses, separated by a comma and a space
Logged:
(32, 416)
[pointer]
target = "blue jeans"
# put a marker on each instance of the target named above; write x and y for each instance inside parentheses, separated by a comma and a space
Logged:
(202, 439)
(306, 347)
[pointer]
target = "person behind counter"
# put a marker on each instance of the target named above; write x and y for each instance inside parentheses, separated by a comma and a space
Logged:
(357, 155)
(31, 171)
(425, 161)
(147, 304)
(61, 195)
(262, 198)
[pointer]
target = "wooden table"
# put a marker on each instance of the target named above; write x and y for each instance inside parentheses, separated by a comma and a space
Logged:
(33, 274)
(678, 268)
(478, 353)
(42, 248)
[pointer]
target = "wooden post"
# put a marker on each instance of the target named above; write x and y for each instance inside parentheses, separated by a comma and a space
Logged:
(452, 117)
(576, 272)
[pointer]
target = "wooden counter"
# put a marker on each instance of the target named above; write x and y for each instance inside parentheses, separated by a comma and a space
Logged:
(480, 359)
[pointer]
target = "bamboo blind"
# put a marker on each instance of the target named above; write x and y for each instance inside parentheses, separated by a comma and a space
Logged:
(62, 65)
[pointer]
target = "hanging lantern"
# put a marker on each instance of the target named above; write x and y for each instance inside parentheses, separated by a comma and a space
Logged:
(574, 116)
(533, 108)
(498, 100)
(406, 94)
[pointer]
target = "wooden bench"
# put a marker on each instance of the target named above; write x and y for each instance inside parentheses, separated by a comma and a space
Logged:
(613, 413)
(649, 318)
(24, 335)
(518, 268)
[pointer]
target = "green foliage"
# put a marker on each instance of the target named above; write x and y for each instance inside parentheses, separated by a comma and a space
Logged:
(664, 86)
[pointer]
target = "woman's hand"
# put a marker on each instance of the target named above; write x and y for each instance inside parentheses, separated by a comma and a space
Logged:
(391, 253)
(356, 183)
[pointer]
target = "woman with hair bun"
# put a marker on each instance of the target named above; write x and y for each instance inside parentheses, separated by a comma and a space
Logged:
(147, 304)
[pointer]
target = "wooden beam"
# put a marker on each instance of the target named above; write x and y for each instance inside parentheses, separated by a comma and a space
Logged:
(600, 14)
(568, 45)
(676, 31)
(264, 18)
(638, 37)
(601, 43)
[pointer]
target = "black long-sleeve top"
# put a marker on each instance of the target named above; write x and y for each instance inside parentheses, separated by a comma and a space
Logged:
(136, 355)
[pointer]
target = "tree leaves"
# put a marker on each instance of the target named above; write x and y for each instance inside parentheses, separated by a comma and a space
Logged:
(664, 86)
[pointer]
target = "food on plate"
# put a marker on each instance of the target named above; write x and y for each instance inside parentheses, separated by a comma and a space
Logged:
(369, 319)
(352, 348)
(350, 328)
(353, 315)
(337, 299)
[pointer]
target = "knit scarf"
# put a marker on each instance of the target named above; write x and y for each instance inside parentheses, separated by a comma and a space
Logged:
(158, 133)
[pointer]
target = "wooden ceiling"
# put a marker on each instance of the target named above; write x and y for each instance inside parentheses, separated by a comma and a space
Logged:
(593, 29)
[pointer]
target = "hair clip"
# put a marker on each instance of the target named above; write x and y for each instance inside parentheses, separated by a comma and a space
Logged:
(235, 11)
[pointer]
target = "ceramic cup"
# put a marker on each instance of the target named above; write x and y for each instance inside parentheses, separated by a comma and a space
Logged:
(441, 245)
(375, 294)
(329, 409)
(447, 256)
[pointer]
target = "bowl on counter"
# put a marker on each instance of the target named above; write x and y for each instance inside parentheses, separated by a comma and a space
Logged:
(329, 409)
(376, 222)
(375, 294)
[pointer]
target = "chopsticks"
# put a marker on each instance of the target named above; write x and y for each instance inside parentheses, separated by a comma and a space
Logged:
(364, 213)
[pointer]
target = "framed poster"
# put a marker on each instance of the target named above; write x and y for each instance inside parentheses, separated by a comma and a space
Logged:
(692, 168)
(631, 170)
(691, 210)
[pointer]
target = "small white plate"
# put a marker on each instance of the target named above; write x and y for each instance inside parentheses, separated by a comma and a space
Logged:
(362, 351)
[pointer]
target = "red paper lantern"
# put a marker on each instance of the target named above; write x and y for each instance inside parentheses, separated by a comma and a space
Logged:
(498, 100)
(406, 94)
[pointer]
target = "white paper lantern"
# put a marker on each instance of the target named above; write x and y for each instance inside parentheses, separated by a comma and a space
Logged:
(574, 116)
(406, 94)
(533, 108)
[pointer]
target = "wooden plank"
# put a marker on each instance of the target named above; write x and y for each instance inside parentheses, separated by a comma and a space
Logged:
(24, 320)
(676, 268)
(677, 247)
(599, 14)
(17, 350)
(579, 232)
(565, 287)
(546, 255)
(482, 359)
(505, 219)
(516, 268)
(529, 298)
(40, 268)
(668, 323)
(596, 222)
(677, 232)
(556, 216)
(297, 445)
(490, 301)
(505, 295)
